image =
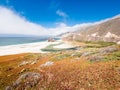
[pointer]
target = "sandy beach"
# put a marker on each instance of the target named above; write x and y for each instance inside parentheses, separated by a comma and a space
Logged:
(30, 47)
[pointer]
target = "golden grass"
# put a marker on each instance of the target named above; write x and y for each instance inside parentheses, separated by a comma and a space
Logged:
(65, 74)
(11, 57)
(77, 43)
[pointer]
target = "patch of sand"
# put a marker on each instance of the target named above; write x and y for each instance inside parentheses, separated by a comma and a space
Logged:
(25, 48)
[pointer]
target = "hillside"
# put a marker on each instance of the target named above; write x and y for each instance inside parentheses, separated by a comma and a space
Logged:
(90, 66)
(107, 30)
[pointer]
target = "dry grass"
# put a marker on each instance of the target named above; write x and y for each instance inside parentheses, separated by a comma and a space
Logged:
(67, 72)
(11, 57)
(78, 43)
(67, 75)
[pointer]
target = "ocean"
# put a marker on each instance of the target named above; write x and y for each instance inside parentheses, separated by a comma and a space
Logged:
(5, 41)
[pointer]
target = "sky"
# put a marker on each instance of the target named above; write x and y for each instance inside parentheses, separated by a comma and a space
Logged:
(43, 17)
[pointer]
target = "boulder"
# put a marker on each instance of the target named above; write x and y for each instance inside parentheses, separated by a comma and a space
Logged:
(34, 62)
(51, 40)
(108, 49)
(8, 88)
(86, 54)
(27, 80)
(49, 63)
(95, 58)
(23, 63)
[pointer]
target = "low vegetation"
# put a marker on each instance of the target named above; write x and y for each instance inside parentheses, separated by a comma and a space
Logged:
(113, 56)
(51, 48)
(100, 43)
(63, 70)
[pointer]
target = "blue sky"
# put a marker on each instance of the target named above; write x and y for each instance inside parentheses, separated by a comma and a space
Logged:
(49, 13)
(78, 11)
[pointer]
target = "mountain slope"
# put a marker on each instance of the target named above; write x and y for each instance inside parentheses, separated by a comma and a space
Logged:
(108, 30)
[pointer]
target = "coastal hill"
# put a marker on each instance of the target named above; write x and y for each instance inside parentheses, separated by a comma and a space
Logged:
(107, 30)
(89, 66)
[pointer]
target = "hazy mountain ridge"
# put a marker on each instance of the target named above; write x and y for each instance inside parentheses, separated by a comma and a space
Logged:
(107, 30)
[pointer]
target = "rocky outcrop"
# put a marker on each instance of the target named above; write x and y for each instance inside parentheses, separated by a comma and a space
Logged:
(49, 63)
(108, 49)
(108, 31)
(51, 40)
(25, 81)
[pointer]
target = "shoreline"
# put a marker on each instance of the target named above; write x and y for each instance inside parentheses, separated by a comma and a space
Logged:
(30, 47)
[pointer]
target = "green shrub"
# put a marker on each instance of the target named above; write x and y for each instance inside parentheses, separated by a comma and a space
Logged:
(113, 56)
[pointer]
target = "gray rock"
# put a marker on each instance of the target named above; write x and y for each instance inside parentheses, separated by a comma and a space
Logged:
(34, 62)
(86, 54)
(73, 54)
(8, 88)
(23, 63)
(27, 80)
(95, 58)
(49, 63)
(108, 49)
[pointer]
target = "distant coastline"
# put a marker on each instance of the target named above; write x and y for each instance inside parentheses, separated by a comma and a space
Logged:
(6, 41)
(33, 47)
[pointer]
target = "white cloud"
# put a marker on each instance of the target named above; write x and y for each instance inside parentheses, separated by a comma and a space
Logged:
(13, 23)
(61, 24)
(62, 28)
(61, 13)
